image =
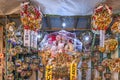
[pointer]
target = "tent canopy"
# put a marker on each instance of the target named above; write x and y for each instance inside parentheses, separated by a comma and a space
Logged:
(58, 7)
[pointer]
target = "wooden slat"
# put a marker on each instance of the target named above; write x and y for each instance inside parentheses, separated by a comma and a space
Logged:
(1, 39)
(68, 29)
(1, 53)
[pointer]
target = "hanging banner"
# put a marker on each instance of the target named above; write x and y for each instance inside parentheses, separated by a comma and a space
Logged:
(102, 38)
(32, 38)
(35, 39)
(73, 71)
(48, 75)
(26, 37)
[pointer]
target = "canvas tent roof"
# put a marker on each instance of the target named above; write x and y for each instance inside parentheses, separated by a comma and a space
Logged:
(59, 7)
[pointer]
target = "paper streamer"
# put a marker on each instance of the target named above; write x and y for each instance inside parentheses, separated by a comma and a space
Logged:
(88, 72)
(32, 38)
(102, 38)
(73, 71)
(26, 37)
(79, 71)
(35, 39)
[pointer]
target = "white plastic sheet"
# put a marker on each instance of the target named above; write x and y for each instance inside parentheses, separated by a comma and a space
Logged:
(68, 7)
(58, 7)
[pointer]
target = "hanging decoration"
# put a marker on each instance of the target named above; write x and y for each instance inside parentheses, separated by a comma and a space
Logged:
(48, 73)
(10, 30)
(113, 64)
(101, 19)
(111, 45)
(116, 26)
(17, 61)
(59, 50)
(31, 19)
(73, 71)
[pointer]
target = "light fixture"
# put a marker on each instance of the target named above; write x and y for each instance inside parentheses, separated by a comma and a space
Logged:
(38, 36)
(87, 38)
(63, 24)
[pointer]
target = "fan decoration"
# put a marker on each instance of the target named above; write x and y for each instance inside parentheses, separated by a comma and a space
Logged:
(59, 50)
(101, 19)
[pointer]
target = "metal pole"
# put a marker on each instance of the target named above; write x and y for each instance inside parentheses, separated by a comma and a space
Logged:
(92, 54)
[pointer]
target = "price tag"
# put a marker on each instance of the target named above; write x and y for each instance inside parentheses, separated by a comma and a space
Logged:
(73, 71)
(27, 37)
(48, 73)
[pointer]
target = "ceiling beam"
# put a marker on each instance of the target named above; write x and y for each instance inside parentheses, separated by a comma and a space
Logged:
(68, 29)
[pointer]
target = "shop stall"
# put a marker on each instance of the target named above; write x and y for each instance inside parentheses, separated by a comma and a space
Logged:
(35, 45)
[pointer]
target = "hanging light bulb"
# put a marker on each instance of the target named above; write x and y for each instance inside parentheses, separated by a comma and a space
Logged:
(39, 36)
(86, 37)
(63, 24)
